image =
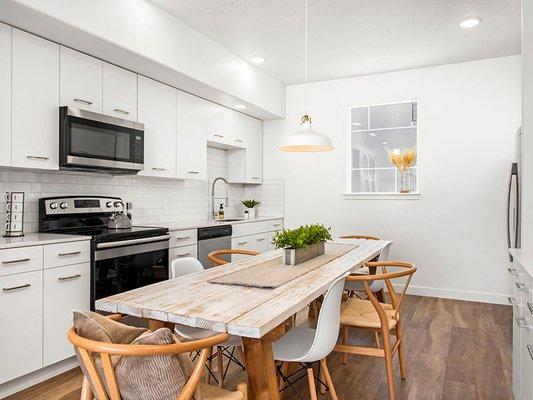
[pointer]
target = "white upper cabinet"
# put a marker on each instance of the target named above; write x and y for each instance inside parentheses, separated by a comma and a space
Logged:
(35, 115)
(237, 129)
(80, 80)
(119, 92)
(191, 145)
(5, 95)
(246, 165)
(254, 150)
(217, 123)
(157, 111)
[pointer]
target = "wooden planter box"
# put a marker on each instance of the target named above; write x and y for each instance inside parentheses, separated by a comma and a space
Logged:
(297, 256)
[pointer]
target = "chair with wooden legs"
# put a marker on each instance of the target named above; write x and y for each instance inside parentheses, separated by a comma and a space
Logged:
(216, 259)
(104, 378)
(189, 265)
(376, 317)
(307, 345)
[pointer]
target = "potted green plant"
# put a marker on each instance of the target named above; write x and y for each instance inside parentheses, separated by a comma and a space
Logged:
(303, 243)
(249, 207)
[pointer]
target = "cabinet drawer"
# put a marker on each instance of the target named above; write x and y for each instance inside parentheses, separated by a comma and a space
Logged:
(21, 313)
(65, 289)
(183, 238)
(241, 229)
(57, 255)
(243, 243)
(183, 251)
(275, 225)
(21, 259)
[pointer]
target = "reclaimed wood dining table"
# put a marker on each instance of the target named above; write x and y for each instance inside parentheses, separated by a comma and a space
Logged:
(256, 314)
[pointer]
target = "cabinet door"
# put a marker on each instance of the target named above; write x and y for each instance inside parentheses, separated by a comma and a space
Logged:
(21, 313)
(157, 111)
(254, 150)
(217, 121)
(192, 145)
(5, 95)
(120, 92)
(65, 289)
(261, 243)
(81, 80)
(242, 243)
(236, 129)
(35, 97)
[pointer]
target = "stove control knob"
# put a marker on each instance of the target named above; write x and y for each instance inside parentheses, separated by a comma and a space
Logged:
(109, 204)
(53, 205)
(63, 206)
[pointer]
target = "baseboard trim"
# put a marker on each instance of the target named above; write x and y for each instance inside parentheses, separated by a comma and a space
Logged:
(33, 378)
(480, 297)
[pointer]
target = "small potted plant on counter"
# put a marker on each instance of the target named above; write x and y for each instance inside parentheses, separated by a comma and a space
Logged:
(303, 243)
(249, 208)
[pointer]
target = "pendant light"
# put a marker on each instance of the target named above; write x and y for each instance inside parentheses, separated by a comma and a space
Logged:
(306, 139)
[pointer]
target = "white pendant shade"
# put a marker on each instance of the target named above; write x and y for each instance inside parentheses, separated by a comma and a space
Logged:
(306, 140)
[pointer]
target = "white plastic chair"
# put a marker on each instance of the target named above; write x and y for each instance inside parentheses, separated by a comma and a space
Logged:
(189, 265)
(307, 345)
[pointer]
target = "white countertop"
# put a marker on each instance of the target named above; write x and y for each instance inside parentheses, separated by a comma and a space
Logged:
(36, 239)
(181, 225)
(524, 257)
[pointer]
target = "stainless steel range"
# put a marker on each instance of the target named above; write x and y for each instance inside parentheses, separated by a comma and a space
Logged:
(121, 259)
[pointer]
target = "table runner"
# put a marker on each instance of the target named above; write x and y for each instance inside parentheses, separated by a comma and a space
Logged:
(272, 274)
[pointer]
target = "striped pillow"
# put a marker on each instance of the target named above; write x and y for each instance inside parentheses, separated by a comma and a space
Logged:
(94, 326)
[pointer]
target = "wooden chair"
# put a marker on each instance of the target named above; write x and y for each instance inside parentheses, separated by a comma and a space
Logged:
(373, 316)
(216, 260)
(360, 237)
(87, 349)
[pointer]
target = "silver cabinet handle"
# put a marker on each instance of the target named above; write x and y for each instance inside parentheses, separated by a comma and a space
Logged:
(512, 300)
(513, 271)
(159, 169)
(530, 306)
(220, 136)
(183, 255)
(193, 172)
(276, 225)
(118, 110)
(522, 323)
(260, 239)
(255, 177)
(67, 278)
(238, 140)
(521, 286)
(38, 158)
(242, 242)
(530, 349)
(10, 289)
(182, 237)
(83, 101)
(74, 253)
(16, 261)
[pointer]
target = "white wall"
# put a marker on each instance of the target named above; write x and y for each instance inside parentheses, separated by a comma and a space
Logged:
(468, 114)
(138, 35)
(527, 125)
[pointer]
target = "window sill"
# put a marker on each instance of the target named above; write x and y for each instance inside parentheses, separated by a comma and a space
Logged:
(381, 196)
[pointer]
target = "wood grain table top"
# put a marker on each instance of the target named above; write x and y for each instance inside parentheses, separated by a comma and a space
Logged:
(245, 311)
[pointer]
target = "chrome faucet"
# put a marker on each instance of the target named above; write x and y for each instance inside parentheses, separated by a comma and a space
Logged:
(213, 198)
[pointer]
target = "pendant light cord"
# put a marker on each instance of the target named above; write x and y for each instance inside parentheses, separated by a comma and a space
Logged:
(306, 60)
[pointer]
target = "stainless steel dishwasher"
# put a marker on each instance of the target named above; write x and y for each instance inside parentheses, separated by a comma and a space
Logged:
(213, 238)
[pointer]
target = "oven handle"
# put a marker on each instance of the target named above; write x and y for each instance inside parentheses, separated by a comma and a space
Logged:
(132, 241)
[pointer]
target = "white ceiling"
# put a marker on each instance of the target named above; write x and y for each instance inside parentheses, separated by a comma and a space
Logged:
(354, 37)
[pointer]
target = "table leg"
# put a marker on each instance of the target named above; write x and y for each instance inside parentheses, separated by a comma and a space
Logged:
(261, 369)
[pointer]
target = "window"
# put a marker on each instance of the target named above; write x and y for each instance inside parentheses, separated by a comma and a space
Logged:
(376, 132)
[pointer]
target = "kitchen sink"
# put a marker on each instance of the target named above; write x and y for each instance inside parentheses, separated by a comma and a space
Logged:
(230, 219)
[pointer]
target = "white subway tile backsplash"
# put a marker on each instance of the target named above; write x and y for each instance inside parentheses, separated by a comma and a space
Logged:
(154, 200)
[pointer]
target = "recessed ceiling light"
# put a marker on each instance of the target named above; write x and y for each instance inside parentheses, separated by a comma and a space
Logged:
(240, 106)
(385, 142)
(470, 22)
(356, 123)
(372, 134)
(258, 59)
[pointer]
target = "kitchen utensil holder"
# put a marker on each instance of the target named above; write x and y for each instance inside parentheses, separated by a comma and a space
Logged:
(14, 214)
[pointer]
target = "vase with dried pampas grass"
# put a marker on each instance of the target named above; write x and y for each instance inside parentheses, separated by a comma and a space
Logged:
(403, 161)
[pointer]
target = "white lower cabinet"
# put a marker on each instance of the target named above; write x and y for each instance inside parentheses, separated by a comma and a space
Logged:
(182, 251)
(65, 289)
(21, 316)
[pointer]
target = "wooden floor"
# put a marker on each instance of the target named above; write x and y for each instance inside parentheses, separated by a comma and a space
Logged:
(455, 350)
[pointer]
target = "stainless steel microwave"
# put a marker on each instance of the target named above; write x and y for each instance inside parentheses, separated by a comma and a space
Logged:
(94, 142)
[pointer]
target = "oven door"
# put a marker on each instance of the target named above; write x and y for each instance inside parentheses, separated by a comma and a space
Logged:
(128, 264)
(91, 141)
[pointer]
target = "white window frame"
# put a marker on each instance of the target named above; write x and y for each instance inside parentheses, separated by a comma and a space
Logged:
(348, 194)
